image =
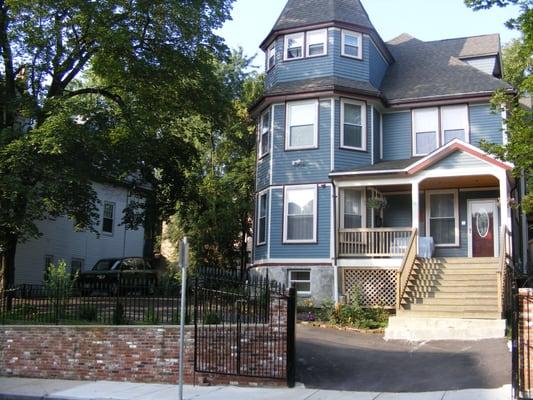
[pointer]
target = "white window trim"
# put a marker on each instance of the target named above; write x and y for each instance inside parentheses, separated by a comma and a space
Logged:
(363, 205)
(345, 32)
(289, 280)
(363, 124)
(114, 212)
(413, 129)
(455, 193)
(286, 213)
(288, 130)
(260, 195)
(286, 46)
(260, 152)
(325, 53)
(269, 49)
(440, 127)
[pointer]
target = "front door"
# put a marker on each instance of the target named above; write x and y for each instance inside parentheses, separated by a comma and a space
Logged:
(482, 227)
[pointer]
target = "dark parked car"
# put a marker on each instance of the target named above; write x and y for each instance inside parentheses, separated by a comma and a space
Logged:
(127, 275)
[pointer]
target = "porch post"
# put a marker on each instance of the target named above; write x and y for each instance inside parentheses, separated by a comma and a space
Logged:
(415, 197)
(504, 203)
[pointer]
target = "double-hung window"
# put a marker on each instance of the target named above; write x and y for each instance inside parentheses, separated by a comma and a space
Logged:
(271, 56)
(352, 44)
(262, 219)
(301, 131)
(301, 281)
(352, 208)
(294, 46)
(300, 210)
(108, 218)
(425, 130)
(317, 43)
(454, 123)
(442, 217)
(353, 127)
(264, 137)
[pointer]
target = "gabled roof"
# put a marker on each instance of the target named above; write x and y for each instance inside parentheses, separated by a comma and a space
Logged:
(426, 70)
(298, 13)
(416, 164)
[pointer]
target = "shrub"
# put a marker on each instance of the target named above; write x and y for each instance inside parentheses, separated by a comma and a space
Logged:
(211, 318)
(151, 316)
(88, 312)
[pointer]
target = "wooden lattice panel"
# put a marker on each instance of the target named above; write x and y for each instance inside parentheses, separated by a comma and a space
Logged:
(376, 286)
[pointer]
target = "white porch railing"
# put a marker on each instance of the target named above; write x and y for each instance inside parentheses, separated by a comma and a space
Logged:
(374, 242)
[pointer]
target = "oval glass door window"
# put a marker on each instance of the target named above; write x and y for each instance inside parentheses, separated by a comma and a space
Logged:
(482, 223)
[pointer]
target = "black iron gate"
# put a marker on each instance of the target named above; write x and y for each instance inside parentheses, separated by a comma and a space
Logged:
(243, 327)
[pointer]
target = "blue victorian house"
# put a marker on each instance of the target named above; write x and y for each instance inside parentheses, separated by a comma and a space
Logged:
(370, 176)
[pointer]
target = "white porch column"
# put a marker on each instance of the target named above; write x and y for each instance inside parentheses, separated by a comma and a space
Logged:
(415, 197)
(505, 215)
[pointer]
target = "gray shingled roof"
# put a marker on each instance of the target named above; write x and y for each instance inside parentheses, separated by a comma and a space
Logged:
(299, 13)
(394, 165)
(433, 69)
(322, 84)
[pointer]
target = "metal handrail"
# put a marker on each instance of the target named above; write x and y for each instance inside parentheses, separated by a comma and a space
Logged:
(403, 274)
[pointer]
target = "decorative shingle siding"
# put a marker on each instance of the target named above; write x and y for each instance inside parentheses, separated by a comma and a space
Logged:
(462, 250)
(314, 164)
(485, 124)
(263, 172)
(397, 136)
(458, 160)
(350, 68)
(319, 250)
(348, 159)
(378, 66)
(377, 136)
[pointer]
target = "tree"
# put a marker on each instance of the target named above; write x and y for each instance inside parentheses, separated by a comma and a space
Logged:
(102, 90)
(518, 68)
(218, 218)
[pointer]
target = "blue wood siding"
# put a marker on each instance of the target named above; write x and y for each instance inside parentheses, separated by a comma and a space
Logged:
(349, 159)
(260, 251)
(350, 68)
(315, 163)
(462, 250)
(397, 141)
(456, 160)
(485, 124)
(377, 136)
(378, 66)
(398, 212)
(321, 249)
(263, 173)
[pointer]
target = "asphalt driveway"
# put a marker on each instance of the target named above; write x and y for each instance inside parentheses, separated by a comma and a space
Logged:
(339, 360)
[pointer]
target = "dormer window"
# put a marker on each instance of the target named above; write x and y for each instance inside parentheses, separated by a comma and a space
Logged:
(271, 56)
(352, 44)
(294, 46)
(317, 42)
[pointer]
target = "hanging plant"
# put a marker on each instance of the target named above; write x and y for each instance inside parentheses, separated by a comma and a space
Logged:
(376, 203)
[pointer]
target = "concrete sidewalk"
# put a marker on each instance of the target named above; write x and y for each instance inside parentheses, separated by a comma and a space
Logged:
(31, 389)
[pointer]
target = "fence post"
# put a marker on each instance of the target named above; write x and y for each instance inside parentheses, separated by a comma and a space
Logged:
(291, 338)
(515, 325)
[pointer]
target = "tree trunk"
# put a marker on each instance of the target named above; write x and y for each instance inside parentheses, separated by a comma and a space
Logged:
(7, 261)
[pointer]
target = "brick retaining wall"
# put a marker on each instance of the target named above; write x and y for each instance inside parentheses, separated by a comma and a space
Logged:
(148, 354)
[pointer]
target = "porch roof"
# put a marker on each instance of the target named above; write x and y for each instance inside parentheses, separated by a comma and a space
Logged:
(414, 165)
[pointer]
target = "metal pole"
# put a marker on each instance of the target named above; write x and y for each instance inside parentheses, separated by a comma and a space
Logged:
(184, 263)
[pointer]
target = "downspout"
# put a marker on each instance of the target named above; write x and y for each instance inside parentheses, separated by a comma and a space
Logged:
(335, 266)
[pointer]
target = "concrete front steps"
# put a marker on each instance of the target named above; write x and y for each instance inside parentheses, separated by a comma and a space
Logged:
(449, 299)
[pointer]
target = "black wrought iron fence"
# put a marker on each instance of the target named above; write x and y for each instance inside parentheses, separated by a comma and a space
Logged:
(127, 301)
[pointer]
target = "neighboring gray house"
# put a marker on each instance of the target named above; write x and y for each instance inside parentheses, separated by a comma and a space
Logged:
(368, 155)
(81, 250)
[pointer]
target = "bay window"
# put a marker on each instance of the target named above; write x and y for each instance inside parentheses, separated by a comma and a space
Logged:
(294, 46)
(317, 42)
(442, 217)
(262, 219)
(352, 44)
(300, 210)
(301, 131)
(353, 126)
(271, 56)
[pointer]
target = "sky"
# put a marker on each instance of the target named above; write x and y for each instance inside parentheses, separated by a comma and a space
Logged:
(423, 19)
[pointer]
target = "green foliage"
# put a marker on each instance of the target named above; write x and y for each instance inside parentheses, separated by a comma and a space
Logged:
(104, 91)
(151, 317)
(58, 279)
(211, 318)
(88, 312)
